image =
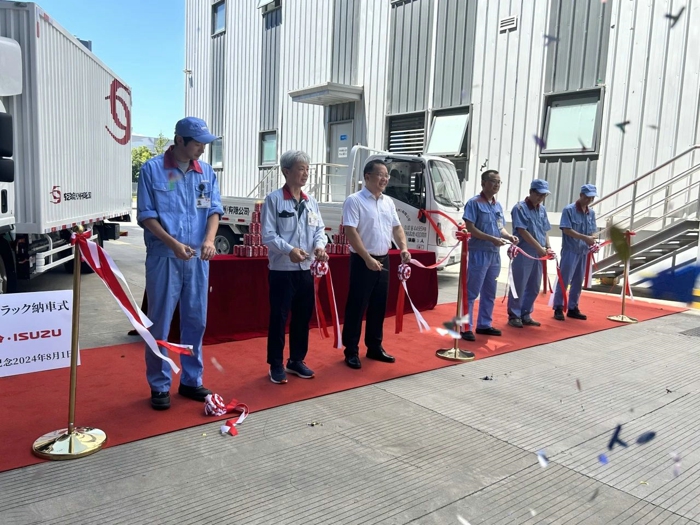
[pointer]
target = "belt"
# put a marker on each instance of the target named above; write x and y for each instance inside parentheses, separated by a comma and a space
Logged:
(373, 256)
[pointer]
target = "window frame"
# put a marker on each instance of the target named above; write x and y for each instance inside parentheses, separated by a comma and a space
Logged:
(219, 165)
(550, 98)
(214, 7)
(267, 6)
(261, 135)
(463, 110)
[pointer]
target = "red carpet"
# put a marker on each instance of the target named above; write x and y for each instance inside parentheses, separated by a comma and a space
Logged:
(113, 394)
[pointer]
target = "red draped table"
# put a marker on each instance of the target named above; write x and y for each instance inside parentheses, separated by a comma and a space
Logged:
(239, 303)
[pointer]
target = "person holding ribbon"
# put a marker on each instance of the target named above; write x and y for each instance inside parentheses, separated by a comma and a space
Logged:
(179, 206)
(370, 220)
(578, 227)
(530, 222)
(293, 230)
(486, 223)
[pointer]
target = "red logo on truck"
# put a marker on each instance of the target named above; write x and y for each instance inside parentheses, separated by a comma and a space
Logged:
(122, 120)
(56, 195)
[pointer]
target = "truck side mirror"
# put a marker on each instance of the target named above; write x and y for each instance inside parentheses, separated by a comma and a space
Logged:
(7, 166)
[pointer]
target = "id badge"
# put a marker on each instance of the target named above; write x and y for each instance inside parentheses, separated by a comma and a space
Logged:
(499, 223)
(203, 202)
(313, 219)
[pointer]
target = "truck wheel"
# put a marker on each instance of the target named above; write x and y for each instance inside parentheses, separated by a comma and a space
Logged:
(225, 240)
(8, 272)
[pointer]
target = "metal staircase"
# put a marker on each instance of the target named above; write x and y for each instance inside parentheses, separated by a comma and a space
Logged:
(663, 210)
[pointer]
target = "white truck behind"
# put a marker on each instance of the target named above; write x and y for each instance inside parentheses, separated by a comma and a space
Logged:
(416, 183)
(69, 134)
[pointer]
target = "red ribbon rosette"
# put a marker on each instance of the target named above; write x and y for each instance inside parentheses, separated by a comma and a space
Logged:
(214, 406)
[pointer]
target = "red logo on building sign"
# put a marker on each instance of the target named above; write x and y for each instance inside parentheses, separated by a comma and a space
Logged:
(56, 195)
(121, 118)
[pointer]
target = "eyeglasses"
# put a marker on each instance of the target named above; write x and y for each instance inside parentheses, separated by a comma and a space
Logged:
(387, 176)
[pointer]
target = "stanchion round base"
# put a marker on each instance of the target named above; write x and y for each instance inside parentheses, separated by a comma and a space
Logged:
(61, 444)
(455, 354)
(622, 319)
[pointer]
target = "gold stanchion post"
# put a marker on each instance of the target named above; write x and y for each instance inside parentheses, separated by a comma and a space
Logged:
(622, 318)
(455, 353)
(72, 442)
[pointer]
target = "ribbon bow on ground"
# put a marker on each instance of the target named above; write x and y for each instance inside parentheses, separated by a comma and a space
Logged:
(214, 406)
(404, 275)
(320, 269)
(103, 265)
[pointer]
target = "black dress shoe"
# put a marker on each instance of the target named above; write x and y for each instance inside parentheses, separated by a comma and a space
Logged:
(559, 314)
(198, 393)
(575, 313)
(160, 400)
(488, 331)
(380, 355)
(468, 336)
(353, 362)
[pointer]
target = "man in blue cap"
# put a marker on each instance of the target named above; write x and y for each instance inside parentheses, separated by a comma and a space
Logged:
(486, 223)
(578, 227)
(531, 224)
(179, 207)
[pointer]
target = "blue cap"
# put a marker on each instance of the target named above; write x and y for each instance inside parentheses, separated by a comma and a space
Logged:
(540, 186)
(195, 128)
(589, 190)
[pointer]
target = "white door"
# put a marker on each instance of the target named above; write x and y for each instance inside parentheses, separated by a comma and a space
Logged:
(341, 141)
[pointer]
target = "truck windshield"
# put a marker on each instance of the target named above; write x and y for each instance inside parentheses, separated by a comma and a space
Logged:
(445, 184)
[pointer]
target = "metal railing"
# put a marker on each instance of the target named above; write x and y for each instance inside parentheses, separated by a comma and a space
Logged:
(675, 199)
(326, 182)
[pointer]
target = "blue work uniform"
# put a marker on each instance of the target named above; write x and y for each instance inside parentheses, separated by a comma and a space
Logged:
(288, 224)
(574, 253)
(527, 273)
(182, 203)
(484, 258)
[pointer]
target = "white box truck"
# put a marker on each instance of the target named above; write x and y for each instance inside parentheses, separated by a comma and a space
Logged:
(68, 131)
(417, 182)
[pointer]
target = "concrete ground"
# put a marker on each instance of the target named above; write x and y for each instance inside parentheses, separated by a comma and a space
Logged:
(442, 447)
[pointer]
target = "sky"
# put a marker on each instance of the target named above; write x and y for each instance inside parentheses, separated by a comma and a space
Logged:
(143, 42)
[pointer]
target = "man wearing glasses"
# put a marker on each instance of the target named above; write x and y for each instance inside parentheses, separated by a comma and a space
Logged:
(486, 224)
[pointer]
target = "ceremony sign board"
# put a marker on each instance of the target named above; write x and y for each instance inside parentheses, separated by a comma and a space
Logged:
(35, 331)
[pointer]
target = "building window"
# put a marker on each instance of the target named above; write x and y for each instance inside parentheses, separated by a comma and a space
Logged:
(217, 154)
(572, 122)
(269, 5)
(447, 135)
(268, 148)
(218, 18)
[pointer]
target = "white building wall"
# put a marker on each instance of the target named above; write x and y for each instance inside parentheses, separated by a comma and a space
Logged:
(653, 77)
(197, 84)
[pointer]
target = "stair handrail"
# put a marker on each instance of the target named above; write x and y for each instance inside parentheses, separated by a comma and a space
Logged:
(651, 191)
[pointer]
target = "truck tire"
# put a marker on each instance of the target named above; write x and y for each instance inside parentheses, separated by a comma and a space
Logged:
(8, 271)
(84, 267)
(225, 240)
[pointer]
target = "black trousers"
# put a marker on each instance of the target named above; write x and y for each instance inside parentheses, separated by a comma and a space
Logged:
(367, 293)
(289, 291)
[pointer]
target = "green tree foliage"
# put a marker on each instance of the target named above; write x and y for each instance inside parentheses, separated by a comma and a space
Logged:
(139, 156)
(161, 144)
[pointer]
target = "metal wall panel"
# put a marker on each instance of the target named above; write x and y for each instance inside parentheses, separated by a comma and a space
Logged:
(218, 83)
(410, 60)
(270, 67)
(577, 60)
(344, 58)
(340, 112)
(454, 53)
(507, 96)
(64, 122)
(653, 81)
(198, 61)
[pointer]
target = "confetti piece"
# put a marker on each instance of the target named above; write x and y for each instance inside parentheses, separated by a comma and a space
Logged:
(603, 459)
(487, 378)
(668, 391)
(548, 39)
(462, 520)
(653, 127)
(204, 435)
(451, 333)
(217, 365)
(644, 483)
(646, 437)
(540, 142)
(594, 495)
(315, 424)
(616, 438)
(542, 458)
(674, 18)
(676, 464)
(621, 125)
(583, 146)
(483, 166)
(533, 512)
(578, 385)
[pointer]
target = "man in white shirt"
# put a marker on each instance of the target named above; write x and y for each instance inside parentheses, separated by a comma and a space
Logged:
(370, 219)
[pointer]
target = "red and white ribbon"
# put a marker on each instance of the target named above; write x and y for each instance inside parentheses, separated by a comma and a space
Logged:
(214, 406)
(513, 252)
(319, 270)
(103, 265)
(404, 273)
(590, 262)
